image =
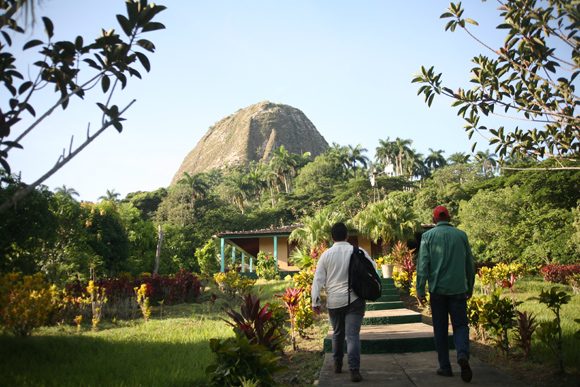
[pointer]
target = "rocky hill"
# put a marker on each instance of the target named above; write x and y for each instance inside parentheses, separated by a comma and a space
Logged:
(251, 134)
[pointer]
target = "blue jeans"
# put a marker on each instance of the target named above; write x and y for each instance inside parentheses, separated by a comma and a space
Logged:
(455, 306)
(346, 321)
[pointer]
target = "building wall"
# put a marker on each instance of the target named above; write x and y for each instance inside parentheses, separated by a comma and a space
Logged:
(267, 246)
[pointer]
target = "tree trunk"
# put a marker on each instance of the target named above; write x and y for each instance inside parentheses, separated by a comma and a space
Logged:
(158, 252)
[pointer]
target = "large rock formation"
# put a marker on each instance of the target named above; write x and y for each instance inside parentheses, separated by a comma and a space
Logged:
(251, 134)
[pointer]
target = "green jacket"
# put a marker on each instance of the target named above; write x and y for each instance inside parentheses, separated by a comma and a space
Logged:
(445, 261)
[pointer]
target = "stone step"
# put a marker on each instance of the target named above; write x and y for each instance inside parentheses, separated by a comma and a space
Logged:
(390, 292)
(384, 305)
(387, 281)
(391, 316)
(395, 338)
(389, 297)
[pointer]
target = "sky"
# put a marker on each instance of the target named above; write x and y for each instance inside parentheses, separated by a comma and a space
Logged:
(347, 65)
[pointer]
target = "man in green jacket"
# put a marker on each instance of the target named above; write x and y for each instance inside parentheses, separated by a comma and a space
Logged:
(446, 264)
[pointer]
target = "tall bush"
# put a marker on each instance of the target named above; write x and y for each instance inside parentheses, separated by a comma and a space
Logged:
(26, 302)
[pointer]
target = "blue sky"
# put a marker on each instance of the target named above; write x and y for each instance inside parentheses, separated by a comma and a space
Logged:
(347, 65)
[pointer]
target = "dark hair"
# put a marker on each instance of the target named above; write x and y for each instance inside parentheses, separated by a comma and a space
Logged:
(339, 232)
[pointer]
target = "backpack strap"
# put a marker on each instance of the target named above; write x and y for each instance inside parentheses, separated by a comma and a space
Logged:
(349, 279)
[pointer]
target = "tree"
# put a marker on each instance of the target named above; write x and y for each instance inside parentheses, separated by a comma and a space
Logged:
(111, 59)
(435, 159)
(487, 162)
(315, 229)
(111, 195)
(67, 191)
(389, 220)
(458, 158)
(531, 77)
(506, 225)
(356, 156)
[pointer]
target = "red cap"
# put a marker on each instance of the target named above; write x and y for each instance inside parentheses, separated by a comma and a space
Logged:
(440, 213)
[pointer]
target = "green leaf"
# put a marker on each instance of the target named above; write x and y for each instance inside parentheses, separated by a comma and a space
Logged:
(48, 26)
(471, 21)
(105, 83)
(146, 44)
(125, 25)
(103, 108)
(92, 63)
(25, 86)
(79, 43)
(7, 37)
(152, 26)
(32, 43)
(445, 15)
(144, 61)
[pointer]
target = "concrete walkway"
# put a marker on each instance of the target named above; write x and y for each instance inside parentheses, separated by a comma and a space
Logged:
(398, 350)
(410, 370)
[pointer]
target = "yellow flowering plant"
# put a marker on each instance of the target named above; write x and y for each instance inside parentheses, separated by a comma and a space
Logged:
(143, 301)
(26, 302)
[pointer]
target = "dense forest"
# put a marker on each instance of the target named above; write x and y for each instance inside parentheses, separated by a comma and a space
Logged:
(510, 214)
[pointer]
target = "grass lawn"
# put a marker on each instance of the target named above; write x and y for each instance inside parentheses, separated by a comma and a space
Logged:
(172, 351)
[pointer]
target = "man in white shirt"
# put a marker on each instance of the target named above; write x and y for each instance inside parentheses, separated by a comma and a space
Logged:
(346, 319)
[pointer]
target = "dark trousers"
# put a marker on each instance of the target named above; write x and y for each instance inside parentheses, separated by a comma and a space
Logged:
(443, 306)
(346, 322)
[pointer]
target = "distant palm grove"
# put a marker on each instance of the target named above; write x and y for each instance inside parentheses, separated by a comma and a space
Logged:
(510, 215)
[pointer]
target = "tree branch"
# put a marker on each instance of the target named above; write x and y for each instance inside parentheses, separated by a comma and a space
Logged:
(22, 192)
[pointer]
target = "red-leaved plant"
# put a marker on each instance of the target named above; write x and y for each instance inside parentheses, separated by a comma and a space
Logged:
(255, 323)
(291, 299)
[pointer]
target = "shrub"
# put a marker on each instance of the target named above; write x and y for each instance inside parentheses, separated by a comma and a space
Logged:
(255, 323)
(500, 275)
(207, 258)
(239, 359)
(475, 314)
(550, 332)
(143, 301)
(498, 317)
(291, 299)
(26, 302)
(559, 273)
(304, 314)
(525, 328)
(232, 283)
(266, 267)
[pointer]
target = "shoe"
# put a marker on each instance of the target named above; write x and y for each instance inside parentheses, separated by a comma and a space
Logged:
(355, 376)
(444, 372)
(337, 367)
(466, 373)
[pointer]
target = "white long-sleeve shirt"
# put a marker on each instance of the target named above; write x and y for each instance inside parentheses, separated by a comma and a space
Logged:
(332, 274)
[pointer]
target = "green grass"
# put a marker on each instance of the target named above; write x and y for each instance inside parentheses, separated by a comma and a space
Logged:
(168, 351)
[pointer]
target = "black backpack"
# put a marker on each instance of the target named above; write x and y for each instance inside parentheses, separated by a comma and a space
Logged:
(363, 278)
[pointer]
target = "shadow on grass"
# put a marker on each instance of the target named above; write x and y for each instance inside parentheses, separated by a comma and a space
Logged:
(93, 361)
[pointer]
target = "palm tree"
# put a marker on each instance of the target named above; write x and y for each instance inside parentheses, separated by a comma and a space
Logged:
(403, 149)
(387, 221)
(66, 191)
(487, 161)
(435, 159)
(386, 153)
(315, 229)
(197, 183)
(458, 158)
(416, 167)
(110, 196)
(356, 156)
(284, 165)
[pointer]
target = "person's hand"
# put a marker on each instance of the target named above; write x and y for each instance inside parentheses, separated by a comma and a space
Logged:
(316, 309)
(422, 300)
